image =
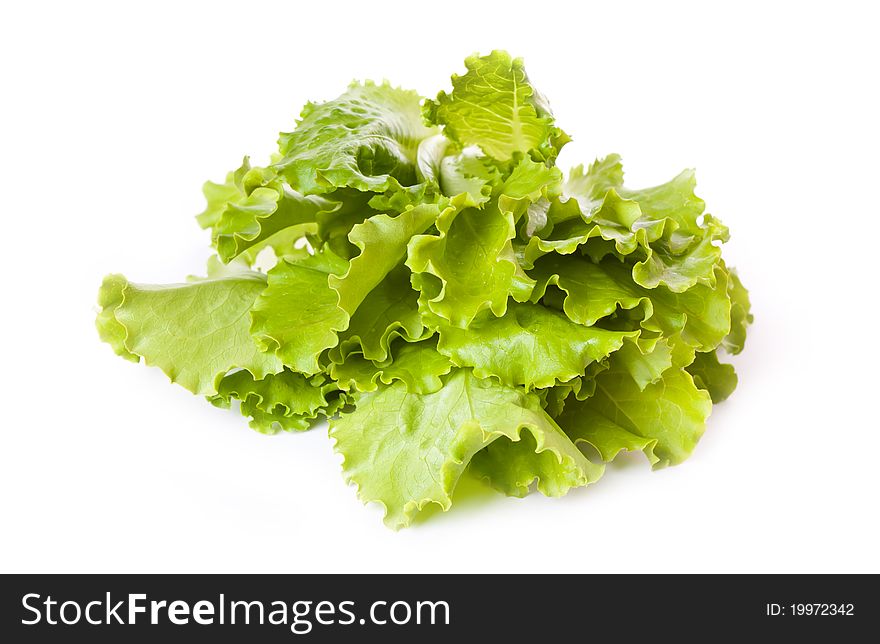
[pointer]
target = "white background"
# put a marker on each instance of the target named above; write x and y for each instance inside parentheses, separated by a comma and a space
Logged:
(114, 114)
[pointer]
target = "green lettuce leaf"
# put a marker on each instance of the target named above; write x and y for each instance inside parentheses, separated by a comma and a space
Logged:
(311, 299)
(194, 332)
(334, 227)
(404, 450)
(297, 317)
(457, 172)
(268, 217)
(493, 106)
(589, 187)
(661, 223)
(470, 174)
(418, 365)
(673, 200)
(382, 241)
(469, 266)
(580, 388)
(548, 458)
(612, 219)
(718, 378)
(528, 183)
(740, 315)
(664, 420)
(389, 311)
(219, 195)
(530, 345)
(367, 139)
(300, 330)
(284, 401)
(645, 364)
(594, 291)
(647, 358)
(678, 273)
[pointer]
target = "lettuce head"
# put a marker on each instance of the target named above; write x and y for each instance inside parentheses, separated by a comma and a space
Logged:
(452, 301)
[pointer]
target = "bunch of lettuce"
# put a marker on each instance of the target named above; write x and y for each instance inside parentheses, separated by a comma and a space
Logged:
(448, 299)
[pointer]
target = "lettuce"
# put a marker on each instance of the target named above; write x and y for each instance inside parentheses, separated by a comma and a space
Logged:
(451, 301)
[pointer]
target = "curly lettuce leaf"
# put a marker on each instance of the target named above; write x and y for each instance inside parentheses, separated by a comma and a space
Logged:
(382, 241)
(297, 317)
(673, 200)
(269, 217)
(431, 152)
(647, 360)
(390, 310)
(405, 450)
(366, 139)
(678, 273)
(530, 346)
(665, 420)
(596, 290)
(219, 195)
(679, 261)
(740, 314)
(588, 187)
(612, 219)
(553, 398)
(659, 223)
(718, 378)
(311, 299)
(645, 365)
(284, 401)
(457, 172)
(547, 458)
(234, 192)
(418, 365)
(493, 106)
(194, 332)
(528, 182)
(580, 388)
(334, 226)
(468, 266)
(470, 174)
(591, 290)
